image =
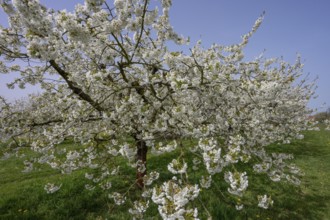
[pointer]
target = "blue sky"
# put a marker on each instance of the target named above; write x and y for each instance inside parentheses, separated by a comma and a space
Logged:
(289, 27)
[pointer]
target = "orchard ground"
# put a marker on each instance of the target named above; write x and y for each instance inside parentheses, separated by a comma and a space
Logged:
(22, 195)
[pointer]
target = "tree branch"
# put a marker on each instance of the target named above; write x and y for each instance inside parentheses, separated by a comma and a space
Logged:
(76, 90)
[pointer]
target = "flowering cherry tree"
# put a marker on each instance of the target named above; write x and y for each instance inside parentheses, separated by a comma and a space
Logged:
(108, 76)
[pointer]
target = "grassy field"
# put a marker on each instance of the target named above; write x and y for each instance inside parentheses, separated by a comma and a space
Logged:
(22, 195)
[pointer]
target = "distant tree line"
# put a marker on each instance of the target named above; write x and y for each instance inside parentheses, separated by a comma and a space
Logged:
(321, 116)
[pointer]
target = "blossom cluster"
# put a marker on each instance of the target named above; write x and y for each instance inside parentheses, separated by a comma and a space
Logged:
(172, 199)
(238, 182)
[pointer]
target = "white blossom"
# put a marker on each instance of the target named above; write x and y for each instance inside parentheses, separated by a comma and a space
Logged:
(172, 193)
(265, 202)
(28, 166)
(139, 208)
(118, 198)
(51, 188)
(239, 207)
(177, 167)
(107, 185)
(150, 178)
(89, 187)
(238, 182)
(89, 176)
(127, 151)
(206, 182)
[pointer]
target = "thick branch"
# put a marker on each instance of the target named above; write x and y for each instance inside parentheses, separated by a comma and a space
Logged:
(72, 85)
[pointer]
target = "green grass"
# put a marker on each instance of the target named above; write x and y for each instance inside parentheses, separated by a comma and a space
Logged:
(22, 195)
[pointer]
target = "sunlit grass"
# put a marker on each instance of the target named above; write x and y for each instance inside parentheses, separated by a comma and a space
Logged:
(22, 195)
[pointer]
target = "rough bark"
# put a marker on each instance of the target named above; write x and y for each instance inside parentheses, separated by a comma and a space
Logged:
(141, 155)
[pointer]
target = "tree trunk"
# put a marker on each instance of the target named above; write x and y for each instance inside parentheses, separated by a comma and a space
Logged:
(141, 156)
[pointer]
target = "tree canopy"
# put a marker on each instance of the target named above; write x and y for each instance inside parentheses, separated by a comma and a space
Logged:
(111, 83)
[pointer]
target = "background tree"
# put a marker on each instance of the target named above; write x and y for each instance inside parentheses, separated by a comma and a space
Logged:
(322, 116)
(111, 84)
